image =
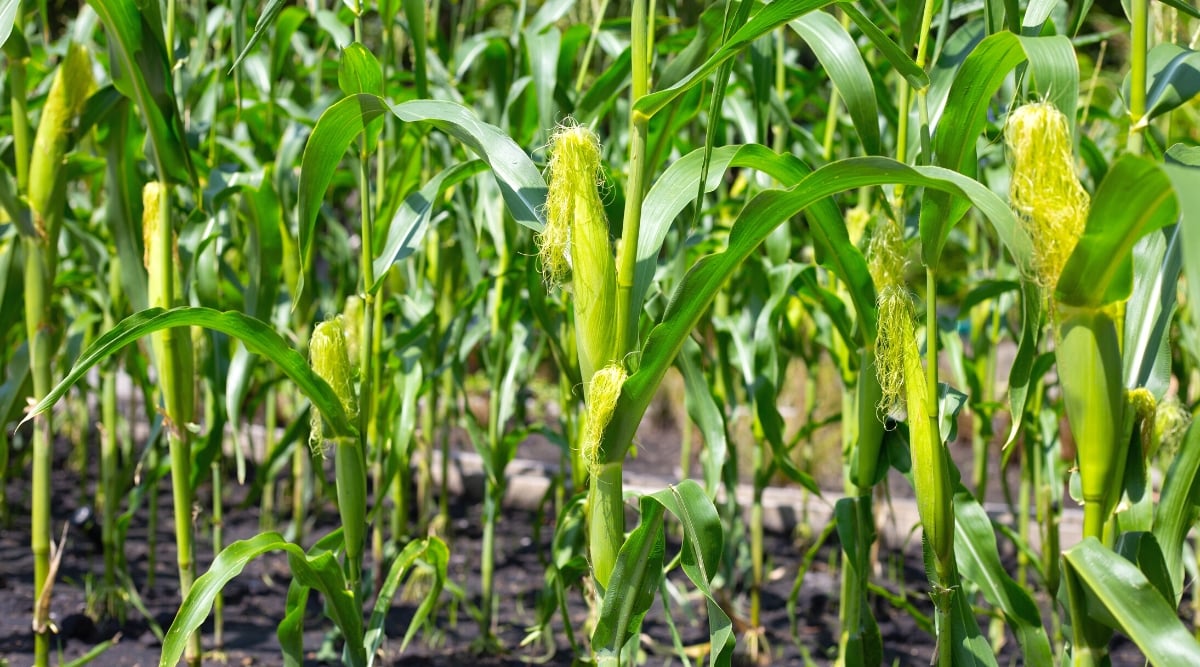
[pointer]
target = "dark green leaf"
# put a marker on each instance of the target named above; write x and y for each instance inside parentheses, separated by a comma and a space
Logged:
(842, 62)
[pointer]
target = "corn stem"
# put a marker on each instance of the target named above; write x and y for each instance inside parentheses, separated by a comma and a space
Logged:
(1139, 37)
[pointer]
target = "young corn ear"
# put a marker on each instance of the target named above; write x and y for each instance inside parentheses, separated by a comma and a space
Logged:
(576, 236)
(1170, 424)
(329, 355)
(69, 90)
(930, 469)
(1045, 191)
(172, 347)
(1088, 354)
(330, 359)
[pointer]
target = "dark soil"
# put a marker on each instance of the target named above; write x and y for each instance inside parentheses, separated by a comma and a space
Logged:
(255, 601)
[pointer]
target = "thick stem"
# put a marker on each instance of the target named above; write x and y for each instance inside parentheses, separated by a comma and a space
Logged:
(37, 295)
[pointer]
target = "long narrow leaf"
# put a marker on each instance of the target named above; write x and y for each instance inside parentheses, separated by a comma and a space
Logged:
(257, 336)
(760, 216)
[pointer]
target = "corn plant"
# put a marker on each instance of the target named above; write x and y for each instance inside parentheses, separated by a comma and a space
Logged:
(496, 198)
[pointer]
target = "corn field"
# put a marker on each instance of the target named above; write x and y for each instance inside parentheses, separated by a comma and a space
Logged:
(292, 263)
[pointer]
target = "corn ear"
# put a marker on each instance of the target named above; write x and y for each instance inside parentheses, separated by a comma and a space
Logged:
(930, 469)
(1088, 355)
(1170, 424)
(574, 211)
(1045, 191)
(172, 347)
(69, 91)
(329, 356)
(864, 466)
(603, 393)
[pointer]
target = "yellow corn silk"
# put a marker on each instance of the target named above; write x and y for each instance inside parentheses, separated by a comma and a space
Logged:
(603, 393)
(886, 264)
(330, 359)
(575, 241)
(1045, 191)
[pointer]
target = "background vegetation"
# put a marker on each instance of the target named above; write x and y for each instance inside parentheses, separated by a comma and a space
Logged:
(345, 222)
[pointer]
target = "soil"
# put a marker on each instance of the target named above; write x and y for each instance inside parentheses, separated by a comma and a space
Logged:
(255, 600)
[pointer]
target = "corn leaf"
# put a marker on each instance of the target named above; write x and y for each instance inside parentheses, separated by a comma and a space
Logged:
(1116, 592)
(257, 336)
(142, 74)
(670, 194)
(767, 19)
(841, 60)
(1023, 363)
(899, 59)
(639, 570)
(1183, 168)
(703, 410)
(1150, 310)
(1176, 510)
(406, 231)
(1135, 198)
(759, 217)
(969, 647)
(433, 553)
(8, 16)
(322, 572)
(270, 12)
(979, 562)
(1174, 77)
(521, 184)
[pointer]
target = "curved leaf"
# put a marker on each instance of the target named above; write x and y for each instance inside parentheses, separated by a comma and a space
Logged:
(671, 193)
(759, 217)
(639, 569)
(8, 16)
(1135, 198)
(1176, 509)
(435, 555)
(406, 231)
(257, 336)
(842, 62)
(321, 572)
(979, 562)
(904, 64)
(1183, 168)
(1116, 590)
(767, 19)
(520, 182)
